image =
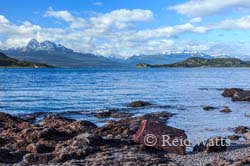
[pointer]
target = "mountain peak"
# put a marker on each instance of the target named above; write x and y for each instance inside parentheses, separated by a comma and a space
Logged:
(33, 44)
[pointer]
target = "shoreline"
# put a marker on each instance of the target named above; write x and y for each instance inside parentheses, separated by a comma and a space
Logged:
(53, 139)
(103, 147)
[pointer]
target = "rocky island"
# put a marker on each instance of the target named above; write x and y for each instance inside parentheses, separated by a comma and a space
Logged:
(7, 62)
(201, 62)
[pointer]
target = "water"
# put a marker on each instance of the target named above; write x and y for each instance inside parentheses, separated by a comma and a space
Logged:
(186, 90)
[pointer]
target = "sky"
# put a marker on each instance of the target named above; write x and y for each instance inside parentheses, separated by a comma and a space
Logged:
(123, 28)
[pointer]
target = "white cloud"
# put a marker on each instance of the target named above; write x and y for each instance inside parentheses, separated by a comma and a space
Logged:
(241, 23)
(198, 8)
(121, 18)
(76, 22)
(111, 33)
(196, 20)
(98, 3)
(3, 20)
(169, 31)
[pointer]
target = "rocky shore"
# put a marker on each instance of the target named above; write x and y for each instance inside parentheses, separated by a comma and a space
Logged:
(57, 140)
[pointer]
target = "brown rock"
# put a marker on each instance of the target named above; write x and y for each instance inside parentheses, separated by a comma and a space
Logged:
(217, 144)
(7, 118)
(233, 137)
(241, 130)
(38, 148)
(73, 153)
(3, 141)
(8, 156)
(199, 147)
(208, 108)
(89, 139)
(36, 158)
(55, 121)
(139, 104)
(230, 92)
(113, 114)
(157, 135)
(241, 96)
(247, 135)
(80, 127)
(226, 110)
(33, 135)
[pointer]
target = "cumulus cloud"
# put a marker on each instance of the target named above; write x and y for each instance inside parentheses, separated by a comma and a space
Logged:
(76, 22)
(241, 23)
(113, 33)
(121, 18)
(198, 8)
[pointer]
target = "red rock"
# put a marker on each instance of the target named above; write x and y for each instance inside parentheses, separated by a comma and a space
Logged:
(157, 135)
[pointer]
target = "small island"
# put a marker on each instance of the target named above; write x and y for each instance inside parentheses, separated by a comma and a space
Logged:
(7, 62)
(201, 62)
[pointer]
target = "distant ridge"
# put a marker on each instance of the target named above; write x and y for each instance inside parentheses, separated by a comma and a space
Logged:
(166, 58)
(201, 62)
(6, 61)
(57, 55)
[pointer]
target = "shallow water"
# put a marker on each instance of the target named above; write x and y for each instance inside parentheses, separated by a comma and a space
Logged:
(185, 90)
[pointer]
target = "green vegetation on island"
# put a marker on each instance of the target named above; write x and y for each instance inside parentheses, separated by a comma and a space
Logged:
(8, 62)
(201, 62)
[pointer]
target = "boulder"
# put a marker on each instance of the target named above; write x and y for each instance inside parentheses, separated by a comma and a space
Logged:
(89, 139)
(217, 144)
(33, 135)
(3, 141)
(199, 147)
(127, 127)
(39, 148)
(37, 159)
(241, 130)
(241, 96)
(139, 104)
(247, 135)
(226, 110)
(230, 92)
(79, 127)
(208, 108)
(73, 153)
(233, 137)
(7, 118)
(113, 114)
(9, 156)
(159, 136)
(55, 121)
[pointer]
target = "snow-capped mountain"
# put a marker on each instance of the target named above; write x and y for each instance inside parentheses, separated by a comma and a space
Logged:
(57, 55)
(166, 58)
(34, 45)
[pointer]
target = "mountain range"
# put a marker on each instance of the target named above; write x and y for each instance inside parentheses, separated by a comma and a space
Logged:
(58, 55)
(201, 62)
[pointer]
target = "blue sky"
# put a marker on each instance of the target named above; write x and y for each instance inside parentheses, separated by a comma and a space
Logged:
(126, 28)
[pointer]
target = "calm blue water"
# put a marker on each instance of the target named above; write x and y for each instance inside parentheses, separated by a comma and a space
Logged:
(186, 90)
